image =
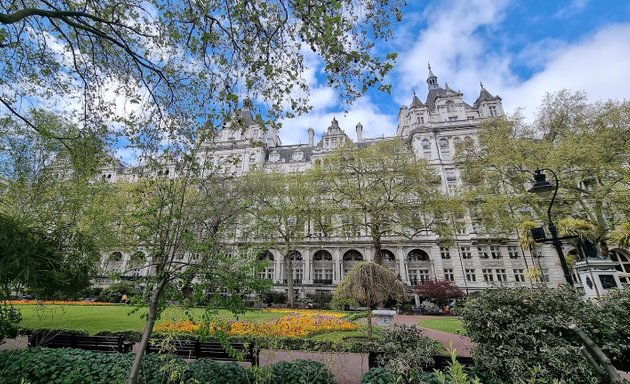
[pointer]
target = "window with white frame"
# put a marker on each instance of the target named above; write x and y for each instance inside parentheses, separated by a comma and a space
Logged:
(443, 143)
(483, 252)
(448, 274)
(445, 252)
(471, 275)
(519, 275)
(465, 251)
(493, 110)
(487, 275)
(495, 252)
(501, 275)
(512, 251)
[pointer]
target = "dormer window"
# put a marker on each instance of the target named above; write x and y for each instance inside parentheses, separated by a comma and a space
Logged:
(450, 106)
(298, 155)
(274, 157)
(493, 110)
(420, 119)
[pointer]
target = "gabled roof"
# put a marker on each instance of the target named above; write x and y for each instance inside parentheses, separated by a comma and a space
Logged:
(484, 95)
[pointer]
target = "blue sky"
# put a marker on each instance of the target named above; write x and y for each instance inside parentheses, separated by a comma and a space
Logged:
(518, 49)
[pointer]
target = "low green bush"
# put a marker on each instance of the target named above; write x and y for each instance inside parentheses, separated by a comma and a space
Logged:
(380, 375)
(301, 372)
(53, 331)
(210, 372)
(9, 319)
(75, 366)
(515, 329)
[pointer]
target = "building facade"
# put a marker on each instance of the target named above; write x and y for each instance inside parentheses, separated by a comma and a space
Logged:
(433, 128)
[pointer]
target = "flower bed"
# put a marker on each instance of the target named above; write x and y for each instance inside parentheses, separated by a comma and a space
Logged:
(298, 323)
(54, 302)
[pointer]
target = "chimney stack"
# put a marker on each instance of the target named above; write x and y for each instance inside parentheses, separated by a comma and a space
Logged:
(311, 137)
(359, 132)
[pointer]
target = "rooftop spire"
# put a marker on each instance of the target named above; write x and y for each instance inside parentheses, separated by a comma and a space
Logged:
(432, 79)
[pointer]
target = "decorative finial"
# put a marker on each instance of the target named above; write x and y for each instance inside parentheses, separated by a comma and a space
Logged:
(429, 65)
(480, 83)
(414, 91)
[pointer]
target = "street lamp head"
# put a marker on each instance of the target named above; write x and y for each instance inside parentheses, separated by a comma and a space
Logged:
(541, 187)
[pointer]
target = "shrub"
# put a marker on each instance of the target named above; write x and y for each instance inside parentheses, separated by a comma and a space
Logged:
(9, 320)
(406, 352)
(210, 372)
(70, 366)
(300, 372)
(273, 297)
(615, 309)
(516, 329)
(380, 375)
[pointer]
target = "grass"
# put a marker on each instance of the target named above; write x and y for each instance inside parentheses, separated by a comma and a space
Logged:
(114, 318)
(444, 324)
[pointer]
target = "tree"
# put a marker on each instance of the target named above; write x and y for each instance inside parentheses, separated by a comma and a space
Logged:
(387, 191)
(439, 291)
(184, 220)
(191, 58)
(584, 143)
(281, 211)
(372, 285)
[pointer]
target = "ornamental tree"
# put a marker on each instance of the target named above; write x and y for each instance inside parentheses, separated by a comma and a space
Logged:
(371, 285)
(439, 291)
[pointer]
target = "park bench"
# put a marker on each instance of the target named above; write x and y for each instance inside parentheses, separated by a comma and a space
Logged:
(90, 343)
(195, 349)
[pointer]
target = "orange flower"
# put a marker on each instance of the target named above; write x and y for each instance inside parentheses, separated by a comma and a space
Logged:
(293, 325)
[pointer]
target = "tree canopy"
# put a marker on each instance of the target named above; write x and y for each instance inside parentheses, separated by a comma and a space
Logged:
(585, 143)
(137, 63)
(386, 190)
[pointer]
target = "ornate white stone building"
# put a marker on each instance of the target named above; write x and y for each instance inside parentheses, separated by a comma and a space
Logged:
(432, 128)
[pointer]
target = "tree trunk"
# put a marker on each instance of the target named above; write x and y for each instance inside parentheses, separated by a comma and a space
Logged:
(376, 242)
(369, 324)
(288, 263)
(148, 330)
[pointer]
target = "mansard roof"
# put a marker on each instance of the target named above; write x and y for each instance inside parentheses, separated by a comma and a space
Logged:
(484, 95)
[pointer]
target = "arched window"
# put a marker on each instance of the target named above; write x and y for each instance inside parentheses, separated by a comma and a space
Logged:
(322, 255)
(115, 257)
(457, 141)
(295, 255)
(252, 158)
(443, 144)
(352, 255)
(266, 256)
(388, 255)
(426, 145)
(450, 106)
(417, 255)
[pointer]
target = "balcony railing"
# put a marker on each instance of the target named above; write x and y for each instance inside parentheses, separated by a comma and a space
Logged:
(295, 282)
(322, 281)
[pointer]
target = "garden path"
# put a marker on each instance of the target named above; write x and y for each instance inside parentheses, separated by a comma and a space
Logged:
(461, 344)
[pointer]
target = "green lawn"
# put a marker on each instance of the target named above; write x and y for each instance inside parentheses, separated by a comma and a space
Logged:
(444, 324)
(113, 318)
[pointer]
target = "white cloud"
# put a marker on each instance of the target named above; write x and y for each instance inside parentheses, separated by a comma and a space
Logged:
(597, 65)
(576, 6)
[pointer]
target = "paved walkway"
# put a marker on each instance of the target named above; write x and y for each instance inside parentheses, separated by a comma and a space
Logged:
(461, 344)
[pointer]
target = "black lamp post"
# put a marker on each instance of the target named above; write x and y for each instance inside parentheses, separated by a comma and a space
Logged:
(543, 188)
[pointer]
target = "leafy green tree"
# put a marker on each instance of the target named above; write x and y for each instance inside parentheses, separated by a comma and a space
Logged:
(187, 57)
(584, 143)
(282, 208)
(390, 192)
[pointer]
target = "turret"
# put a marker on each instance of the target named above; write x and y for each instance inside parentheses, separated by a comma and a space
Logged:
(359, 133)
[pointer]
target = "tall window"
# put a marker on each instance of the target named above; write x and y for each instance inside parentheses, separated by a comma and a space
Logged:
(470, 275)
(501, 275)
(445, 253)
(483, 252)
(493, 110)
(466, 253)
(495, 252)
(519, 276)
(512, 252)
(448, 274)
(487, 275)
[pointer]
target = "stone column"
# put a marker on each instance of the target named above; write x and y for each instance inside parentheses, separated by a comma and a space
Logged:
(307, 267)
(337, 266)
